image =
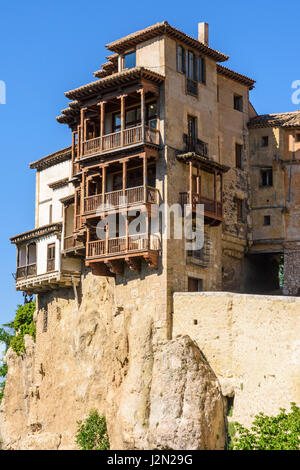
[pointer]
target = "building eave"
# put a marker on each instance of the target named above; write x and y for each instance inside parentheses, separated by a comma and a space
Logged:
(37, 232)
(52, 159)
(132, 40)
(231, 74)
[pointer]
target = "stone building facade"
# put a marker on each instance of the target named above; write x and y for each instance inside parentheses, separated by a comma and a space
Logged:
(163, 125)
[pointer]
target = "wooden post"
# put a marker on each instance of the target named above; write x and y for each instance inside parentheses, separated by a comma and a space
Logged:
(191, 183)
(102, 121)
(106, 239)
(82, 195)
(82, 112)
(127, 232)
(124, 179)
(78, 143)
(73, 152)
(142, 92)
(198, 182)
(145, 176)
(103, 184)
(75, 209)
(85, 130)
(122, 98)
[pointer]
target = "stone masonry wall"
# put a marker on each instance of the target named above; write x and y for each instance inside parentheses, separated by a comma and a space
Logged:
(252, 344)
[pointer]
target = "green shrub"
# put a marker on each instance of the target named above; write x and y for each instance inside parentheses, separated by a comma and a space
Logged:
(281, 432)
(92, 433)
(23, 325)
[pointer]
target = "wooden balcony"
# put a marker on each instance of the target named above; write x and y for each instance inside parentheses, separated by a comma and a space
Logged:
(72, 245)
(117, 140)
(26, 271)
(213, 209)
(114, 250)
(116, 199)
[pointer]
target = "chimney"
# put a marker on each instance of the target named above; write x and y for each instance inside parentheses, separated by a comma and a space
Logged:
(203, 30)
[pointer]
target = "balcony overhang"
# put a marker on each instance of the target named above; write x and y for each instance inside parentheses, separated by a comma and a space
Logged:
(117, 79)
(36, 233)
(47, 282)
(205, 163)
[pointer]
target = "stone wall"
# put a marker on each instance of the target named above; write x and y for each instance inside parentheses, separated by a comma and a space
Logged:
(252, 344)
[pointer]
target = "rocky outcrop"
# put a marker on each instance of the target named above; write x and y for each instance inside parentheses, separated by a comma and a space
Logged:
(154, 394)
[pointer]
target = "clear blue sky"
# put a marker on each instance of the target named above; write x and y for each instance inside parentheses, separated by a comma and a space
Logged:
(47, 48)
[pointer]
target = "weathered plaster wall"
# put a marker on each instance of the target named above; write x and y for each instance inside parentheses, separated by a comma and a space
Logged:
(252, 344)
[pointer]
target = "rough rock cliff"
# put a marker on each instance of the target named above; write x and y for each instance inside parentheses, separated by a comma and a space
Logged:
(154, 394)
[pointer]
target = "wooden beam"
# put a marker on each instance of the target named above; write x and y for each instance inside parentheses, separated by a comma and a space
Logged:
(134, 263)
(115, 266)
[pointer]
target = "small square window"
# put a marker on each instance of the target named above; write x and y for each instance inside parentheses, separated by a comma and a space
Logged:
(267, 220)
(265, 141)
(266, 177)
(238, 102)
(195, 285)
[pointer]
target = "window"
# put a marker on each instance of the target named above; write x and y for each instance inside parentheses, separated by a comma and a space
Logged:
(116, 124)
(238, 155)
(238, 102)
(151, 115)
(265, 141)
(192, 133)
(201, 70)
(195, 285)
(133, 117)
(180, 59)
(297, 137)
(130, 60)
(191, 79)
(240, 209)
(267, 220)
(266, 177)
(51, 257)
(192, 66)
(50, 214)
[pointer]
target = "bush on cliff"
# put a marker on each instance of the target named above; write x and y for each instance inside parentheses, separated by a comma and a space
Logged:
(23, 325)
(92, 433)
(281, 432)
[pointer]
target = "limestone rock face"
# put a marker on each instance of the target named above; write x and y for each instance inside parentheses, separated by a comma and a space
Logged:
(186, 406)
(155, 394)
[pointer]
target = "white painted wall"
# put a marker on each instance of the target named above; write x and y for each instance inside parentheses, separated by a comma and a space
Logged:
(42, 244)
(47, 196)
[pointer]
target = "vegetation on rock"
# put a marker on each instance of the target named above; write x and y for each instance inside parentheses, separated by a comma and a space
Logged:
(281, 432)
(92, 433)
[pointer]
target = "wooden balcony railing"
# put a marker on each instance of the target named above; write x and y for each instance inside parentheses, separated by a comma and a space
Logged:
(70, 243)
(212, 208)
(139, 194)
(26, 271)
(92, 202)
(120, 245)
(132, 135)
